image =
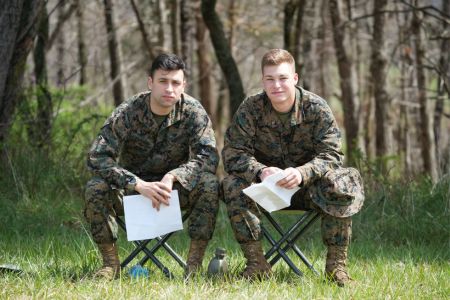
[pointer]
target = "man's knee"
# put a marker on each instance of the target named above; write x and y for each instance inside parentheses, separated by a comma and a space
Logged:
(96, 195)
(232, 187)
(209, 183)
(242, 211)
(96, 188)
(205, 199)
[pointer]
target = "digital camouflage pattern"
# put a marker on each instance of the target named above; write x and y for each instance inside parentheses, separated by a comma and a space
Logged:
(310, 142)
(103, 204)
(131, 144)
(339, 192)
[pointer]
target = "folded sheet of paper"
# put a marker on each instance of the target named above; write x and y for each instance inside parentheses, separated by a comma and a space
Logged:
(144, 222)
(269, 195)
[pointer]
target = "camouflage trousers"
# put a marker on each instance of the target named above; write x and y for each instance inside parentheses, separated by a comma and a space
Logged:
(245, 215)
(103, 204)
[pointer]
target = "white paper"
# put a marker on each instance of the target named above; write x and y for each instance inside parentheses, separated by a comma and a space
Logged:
(144, 222)
(269, 195)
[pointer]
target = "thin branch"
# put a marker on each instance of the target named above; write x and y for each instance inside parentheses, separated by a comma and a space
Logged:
(66, 15)
(445, 18)
(145, 39)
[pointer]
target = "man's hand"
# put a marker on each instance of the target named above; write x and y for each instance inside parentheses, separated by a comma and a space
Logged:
(268, 171)
(292, 178)
(157, 191)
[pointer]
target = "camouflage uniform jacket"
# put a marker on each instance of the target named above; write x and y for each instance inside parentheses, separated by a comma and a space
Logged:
(131, 143)
(310, 141)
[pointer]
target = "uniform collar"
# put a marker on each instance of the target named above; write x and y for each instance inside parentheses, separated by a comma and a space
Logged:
(174, 116)
(297, 109)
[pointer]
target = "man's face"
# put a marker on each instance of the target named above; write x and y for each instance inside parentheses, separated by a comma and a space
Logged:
(279, 84)
(167, 87)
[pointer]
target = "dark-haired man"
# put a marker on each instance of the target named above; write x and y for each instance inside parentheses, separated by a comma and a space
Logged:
(286, 128)
(152, 143)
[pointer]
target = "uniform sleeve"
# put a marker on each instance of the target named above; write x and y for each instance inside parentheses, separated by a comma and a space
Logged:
(327, 146)
(103, 155)
(203, 155)
(238, 151)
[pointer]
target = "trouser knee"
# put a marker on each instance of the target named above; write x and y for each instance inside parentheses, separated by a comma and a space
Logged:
(101, 206)
(243, 213)
(205, 199)
(336, 231)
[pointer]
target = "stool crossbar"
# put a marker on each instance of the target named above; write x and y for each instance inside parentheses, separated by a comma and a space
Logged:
(149, 253)
(288, 239)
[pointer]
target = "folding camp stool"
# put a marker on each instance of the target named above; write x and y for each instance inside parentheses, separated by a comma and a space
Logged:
(288, 238)
(149, 253)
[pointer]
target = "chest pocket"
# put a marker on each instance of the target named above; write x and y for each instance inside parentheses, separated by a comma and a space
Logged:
(267, 144)
(142, 143)
(176, 145)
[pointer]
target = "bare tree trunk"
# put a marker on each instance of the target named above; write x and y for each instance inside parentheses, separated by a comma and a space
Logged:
(404, 137)
(232, 17)
(174, 27)
(18, 21)
(187, 33)
(378, 70)
(148, 48)
(161, 20)
(42, 128)
(425, 135)
(345, 67)
(444, 71)
(297, 52)
(325, 53)
(316, 47)
(60, 45)
(204, 66)
(367, 115)
(113, 53)
(289, 17)
(293, 11)
(82, 55)
(223, 53)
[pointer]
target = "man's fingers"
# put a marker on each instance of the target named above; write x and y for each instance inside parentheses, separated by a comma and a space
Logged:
(163, 187)
(155, 204)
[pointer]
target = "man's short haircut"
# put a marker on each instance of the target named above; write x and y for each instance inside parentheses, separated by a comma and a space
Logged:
(275, 57)
(167, 62)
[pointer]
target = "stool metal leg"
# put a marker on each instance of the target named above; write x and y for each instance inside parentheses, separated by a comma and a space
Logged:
(281, 253)
(291, 244)
(150, 253)
(288, 241)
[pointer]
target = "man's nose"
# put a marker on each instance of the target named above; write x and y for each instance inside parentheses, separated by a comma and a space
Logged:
(169, 87)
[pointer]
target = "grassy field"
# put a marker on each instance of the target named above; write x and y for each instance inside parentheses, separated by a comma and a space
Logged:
(400, 247)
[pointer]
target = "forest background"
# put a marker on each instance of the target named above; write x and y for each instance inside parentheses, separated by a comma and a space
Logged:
(383, 66)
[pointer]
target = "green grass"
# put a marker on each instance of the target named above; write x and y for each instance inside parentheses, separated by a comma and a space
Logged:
(400, 247)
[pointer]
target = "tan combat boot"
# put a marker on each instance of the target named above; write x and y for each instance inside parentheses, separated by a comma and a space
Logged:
(257, 265)
(111, 264)
(195, 257)
(335, 269)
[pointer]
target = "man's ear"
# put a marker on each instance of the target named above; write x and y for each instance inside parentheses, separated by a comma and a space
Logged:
(296, 78)
(150, 82)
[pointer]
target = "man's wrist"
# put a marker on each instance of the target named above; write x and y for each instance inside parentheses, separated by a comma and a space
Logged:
(131, 183)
